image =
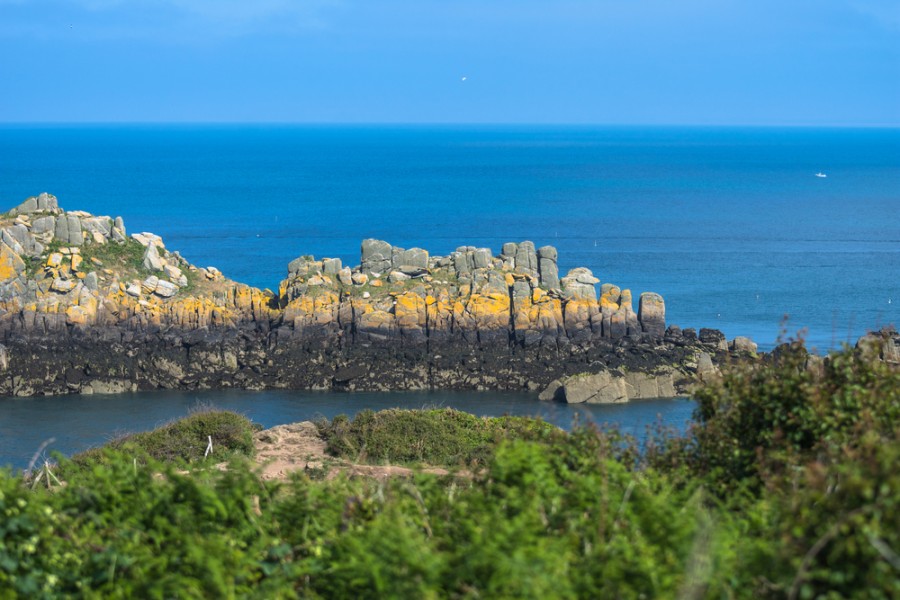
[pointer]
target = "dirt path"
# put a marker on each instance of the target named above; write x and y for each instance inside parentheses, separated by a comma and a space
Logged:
(284, 449)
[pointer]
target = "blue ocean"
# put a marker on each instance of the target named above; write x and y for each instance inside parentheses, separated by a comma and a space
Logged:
(731, 225)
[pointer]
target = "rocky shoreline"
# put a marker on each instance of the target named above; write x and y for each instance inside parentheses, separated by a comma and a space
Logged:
(87, 308)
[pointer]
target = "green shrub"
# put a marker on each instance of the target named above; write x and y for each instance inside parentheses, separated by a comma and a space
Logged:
(759, 419)
(837, 525)
(437, 436)
(185, 440)
(122, 531)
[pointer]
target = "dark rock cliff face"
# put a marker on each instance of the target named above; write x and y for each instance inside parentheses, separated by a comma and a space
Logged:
(86, 308)
(110, 360)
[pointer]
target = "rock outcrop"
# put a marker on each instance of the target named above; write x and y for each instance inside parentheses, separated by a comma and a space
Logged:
(610, 387)
(84, 306)
(515, 297)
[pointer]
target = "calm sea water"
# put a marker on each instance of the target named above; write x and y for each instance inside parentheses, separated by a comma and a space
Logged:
(77, 423)
(731, 225)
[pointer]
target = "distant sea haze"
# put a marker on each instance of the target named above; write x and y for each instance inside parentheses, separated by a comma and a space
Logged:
(731, 225)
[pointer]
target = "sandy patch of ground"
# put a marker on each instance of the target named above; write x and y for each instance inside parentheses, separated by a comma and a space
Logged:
(284, 449)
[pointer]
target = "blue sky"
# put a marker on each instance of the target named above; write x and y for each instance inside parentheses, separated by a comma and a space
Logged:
(755, 62)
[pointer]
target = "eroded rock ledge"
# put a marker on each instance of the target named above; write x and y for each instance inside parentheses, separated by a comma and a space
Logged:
(85, 307)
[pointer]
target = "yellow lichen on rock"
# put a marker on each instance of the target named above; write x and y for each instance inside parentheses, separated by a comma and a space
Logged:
(76, 315)
(10, 263)
(610, 299)
(488, 311)
(410, 311)
(579, 313)
(54, 260)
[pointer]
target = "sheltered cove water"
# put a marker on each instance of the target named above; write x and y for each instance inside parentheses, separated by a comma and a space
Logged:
(81, 422)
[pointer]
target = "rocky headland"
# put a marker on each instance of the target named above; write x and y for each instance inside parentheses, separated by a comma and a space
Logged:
(86, 307)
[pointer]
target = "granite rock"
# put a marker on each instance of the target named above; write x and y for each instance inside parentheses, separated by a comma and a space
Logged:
(652, 314)
(152, 261)
(376, 256)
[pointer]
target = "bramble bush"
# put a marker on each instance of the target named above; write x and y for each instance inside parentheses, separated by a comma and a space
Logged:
(761, 418)
(815, 444)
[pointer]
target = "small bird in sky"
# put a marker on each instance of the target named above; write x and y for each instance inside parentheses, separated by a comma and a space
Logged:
(463, 78)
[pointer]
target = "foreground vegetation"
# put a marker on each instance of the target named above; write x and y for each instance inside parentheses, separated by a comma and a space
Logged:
(787, 487)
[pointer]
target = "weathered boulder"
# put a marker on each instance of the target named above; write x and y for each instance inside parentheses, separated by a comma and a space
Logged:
(652, 314)
(743, 345)
(27, 207)
(152, 260)
(579, 283)
(54, 260)
(640, 386)
(526, 259)
(705, 367)
(713, 337)
(618, 326)
(172, 272)
(149, 284)
(463, 261)
(12, 242)
(632, 326)
(78, 315)
(42, 203)
(146, 239)
(547, 267)
(165, 289)
(213, 273)
(90, 281)
(608, 387)
(883, 345)
(481, 258)
(18, 235)
(63, 285)
(581, 317)
(595, 388)
(303, 266)
(118, 231)
(345, 276)
(99, 228)
(73, 225)
(331, 266)
(43, 225)
(376, 256)
(61, 230)
(11, 264)
(415, 258)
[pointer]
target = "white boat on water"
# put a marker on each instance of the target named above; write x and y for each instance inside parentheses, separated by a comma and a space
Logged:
(821, 175)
